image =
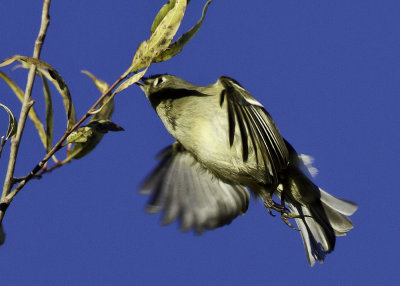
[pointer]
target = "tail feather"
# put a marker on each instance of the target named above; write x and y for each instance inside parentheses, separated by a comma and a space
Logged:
(344, 207)
(340, 223)
(312, 234)
(323, 216)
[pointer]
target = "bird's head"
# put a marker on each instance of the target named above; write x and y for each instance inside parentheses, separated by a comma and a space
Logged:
(163, 82)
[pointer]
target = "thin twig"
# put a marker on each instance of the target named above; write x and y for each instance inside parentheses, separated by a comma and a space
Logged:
(2, 142)
(9, 195)
(8, 199)
(27, 104)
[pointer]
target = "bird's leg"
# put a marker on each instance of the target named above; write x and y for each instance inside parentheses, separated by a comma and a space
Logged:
(286, 214)
(269, 203)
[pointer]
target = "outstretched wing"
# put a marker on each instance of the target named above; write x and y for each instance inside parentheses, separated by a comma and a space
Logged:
(255, 123)
(183, 189)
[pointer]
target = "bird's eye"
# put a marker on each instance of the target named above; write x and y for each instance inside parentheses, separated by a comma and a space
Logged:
(158, 81)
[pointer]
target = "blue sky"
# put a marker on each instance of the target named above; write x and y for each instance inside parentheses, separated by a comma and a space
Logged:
(327, 71)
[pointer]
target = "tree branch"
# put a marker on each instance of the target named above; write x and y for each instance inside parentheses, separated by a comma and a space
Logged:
(27, 104)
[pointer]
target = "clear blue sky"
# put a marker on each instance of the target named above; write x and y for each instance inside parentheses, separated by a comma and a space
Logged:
(327, 71)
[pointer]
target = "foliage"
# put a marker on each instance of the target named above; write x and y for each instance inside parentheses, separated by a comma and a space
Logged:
(84, 138)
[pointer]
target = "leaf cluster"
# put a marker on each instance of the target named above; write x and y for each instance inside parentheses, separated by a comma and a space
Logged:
(81, 140)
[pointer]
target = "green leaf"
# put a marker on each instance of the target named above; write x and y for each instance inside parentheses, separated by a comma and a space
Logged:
(54, 77)
(66, 97)
(88, 137)
(49, 112)
(130, 81)
(161, 14)
(32, 112)
(12, 122)
(176, 47)
(81, 135)
(101, 85)
(106, 109)
(160, 39)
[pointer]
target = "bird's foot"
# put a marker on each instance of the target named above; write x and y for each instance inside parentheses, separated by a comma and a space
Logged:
(286, 215)
(270, 205)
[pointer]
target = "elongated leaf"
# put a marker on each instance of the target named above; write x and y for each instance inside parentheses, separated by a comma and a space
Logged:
(161, 14)
(32, 113)
(66, 97)
(38, 63)
(52, 75)
(12, 122)
(160, 38)
(49, 112)
(88, 137)
(106, 109)
(101, 85)
(131, 81)
(176, 47)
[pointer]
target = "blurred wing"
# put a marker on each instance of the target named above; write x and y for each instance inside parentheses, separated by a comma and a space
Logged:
(254, 122)
(183, 189)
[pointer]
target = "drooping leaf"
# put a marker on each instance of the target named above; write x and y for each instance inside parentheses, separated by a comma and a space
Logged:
(51, 74)
(12, 122)
(32, 113)
(101, 85)
(49, 112)
(66, 97)
(39, 63)
(160, 39)
(176, 47)
(88, 137)
(106, 108)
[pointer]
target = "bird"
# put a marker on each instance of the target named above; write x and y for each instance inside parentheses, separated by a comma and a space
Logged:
(226, 143)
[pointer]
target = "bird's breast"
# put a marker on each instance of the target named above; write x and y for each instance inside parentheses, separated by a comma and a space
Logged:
(200, 124)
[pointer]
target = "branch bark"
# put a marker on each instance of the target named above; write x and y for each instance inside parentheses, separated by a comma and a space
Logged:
(27, 104)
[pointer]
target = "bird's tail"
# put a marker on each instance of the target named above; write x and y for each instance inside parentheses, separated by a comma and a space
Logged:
(320, 216)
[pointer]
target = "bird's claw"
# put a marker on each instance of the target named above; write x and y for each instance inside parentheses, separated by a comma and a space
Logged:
(285, 216)
(270, 204)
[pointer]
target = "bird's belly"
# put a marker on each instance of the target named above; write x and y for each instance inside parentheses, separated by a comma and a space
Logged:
(208, 139)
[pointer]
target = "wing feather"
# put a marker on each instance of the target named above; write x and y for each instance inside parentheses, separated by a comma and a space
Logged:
(183, 189)
(255, 123)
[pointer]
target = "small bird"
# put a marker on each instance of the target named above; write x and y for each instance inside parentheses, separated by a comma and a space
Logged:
(227, 141)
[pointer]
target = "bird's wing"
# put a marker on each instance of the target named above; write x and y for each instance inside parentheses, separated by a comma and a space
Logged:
(255, 123)
(183, 189)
